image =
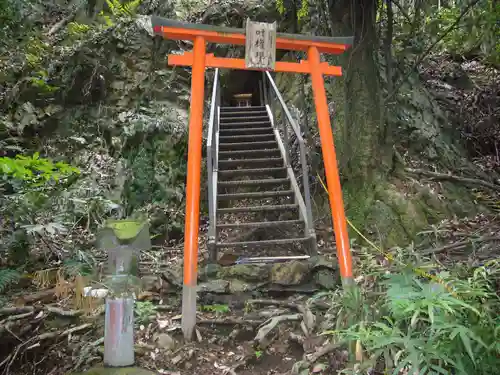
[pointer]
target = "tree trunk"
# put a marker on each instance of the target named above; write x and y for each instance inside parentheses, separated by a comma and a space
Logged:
(358, 124)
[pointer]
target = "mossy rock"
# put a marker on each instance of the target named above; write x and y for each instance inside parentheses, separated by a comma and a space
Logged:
(289, 273)
(248, 272)
(240, 286)
(214, 286)
(116, 371)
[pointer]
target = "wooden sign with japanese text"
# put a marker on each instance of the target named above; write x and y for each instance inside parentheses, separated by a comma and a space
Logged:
(260, 51)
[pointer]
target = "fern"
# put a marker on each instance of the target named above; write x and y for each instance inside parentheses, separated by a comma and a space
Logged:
(77, 29)
(8, 277)
(118, 10)
(126, 9)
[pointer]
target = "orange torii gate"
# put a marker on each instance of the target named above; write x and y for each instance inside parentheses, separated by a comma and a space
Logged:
(199, 60)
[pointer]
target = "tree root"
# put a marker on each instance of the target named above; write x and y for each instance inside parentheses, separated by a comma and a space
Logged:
(324, 350)
(43, 295)
(16, 310)
(230, 321)
(65, 313)
(227, 321)
(309, 319)
(450, 177)
(312, 358)
(267, 327)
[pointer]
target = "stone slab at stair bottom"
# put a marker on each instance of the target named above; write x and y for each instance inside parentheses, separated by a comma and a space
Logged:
(116, 371)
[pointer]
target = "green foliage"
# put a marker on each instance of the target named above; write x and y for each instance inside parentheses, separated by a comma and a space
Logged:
(143, 186)
(8, 277)
(78, 29)
(126, 9)
(423, 328)
(40, 81)
(12, 16)
(81, 264)
(456, 27)
(302, 12)
(33, 170)
(156, 181)
(144, 311)
(117, 9)
(477, 32)
(216, 309)
(280, 6)
(35, 49)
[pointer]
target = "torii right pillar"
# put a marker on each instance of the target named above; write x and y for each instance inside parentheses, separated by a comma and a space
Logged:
(331, 168)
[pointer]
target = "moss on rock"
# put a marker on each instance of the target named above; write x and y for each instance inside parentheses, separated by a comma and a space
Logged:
(248, 272)
(289, 273)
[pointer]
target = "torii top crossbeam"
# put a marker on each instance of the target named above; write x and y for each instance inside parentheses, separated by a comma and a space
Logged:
(199, 60)
(230, 35)
(226, 35)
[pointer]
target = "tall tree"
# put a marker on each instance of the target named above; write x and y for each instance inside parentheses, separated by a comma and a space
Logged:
(359, 127)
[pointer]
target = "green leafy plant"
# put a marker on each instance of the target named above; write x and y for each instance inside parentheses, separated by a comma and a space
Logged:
(422, 328)
(302, 11)
(40, 80)
(280, 6)
(34, 170)
(144, 311)
(78, 29)
(477, 31)
(217, 309)
(35, 49)
(118, 9)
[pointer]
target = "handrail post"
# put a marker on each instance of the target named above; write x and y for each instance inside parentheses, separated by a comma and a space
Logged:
(331, 169)
(216, 163)
(309, 227)
(271, 99)
(191, 229)
(265, 89)
(212, 170)
(261, 93)
(286, 140)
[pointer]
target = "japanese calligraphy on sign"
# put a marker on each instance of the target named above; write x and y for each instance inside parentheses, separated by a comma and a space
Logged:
(260, 51)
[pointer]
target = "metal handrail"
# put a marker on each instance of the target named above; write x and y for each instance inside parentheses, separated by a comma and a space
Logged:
(213, 163)
(304, 200)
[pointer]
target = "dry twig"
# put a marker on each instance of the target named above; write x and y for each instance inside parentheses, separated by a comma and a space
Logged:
(459, 245)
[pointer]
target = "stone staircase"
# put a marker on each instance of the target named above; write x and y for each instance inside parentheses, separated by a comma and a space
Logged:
(256, 203)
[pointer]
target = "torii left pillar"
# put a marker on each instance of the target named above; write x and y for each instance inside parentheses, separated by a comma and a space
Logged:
(193, 188)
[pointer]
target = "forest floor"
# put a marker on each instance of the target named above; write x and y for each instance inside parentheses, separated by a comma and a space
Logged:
(46, 329)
